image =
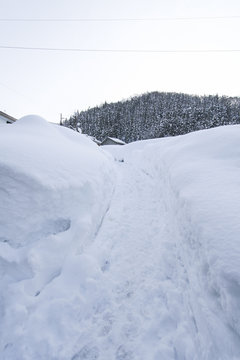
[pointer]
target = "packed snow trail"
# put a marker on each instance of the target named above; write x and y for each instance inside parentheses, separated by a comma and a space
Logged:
(151, 309)
(144, 316)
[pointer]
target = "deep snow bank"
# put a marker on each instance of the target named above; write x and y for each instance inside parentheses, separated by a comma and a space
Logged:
(204, 173)
(201, 172)
(50, 177)
(55, 187)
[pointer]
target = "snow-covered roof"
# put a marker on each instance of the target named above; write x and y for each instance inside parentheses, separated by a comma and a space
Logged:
(7, 117)
(117, 141)
(93, 139)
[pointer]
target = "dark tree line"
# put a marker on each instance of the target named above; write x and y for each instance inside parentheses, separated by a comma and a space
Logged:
(155, 115)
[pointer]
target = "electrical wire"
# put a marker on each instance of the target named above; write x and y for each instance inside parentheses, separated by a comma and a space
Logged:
(26, 98)
(121, 19)
(120, 50)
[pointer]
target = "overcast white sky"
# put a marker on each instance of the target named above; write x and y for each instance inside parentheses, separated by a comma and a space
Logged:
(50, 83)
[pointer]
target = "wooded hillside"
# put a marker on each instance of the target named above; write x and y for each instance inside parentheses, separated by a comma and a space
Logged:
(154, 115)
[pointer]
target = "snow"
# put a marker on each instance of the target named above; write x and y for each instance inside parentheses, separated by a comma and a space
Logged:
(200, 175)
(117, 140)
(55, 189)
(132, 259)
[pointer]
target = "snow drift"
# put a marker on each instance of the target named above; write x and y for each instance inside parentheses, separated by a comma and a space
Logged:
(55, 187)
(155, 274)
(201, 173)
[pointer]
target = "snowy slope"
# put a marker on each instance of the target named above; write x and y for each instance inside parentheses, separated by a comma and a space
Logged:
(200, 174)
(139, 266)
(55, 187)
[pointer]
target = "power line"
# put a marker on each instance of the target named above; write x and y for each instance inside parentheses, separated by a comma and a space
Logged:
(18, 93)
(120, 50)
(122, 19)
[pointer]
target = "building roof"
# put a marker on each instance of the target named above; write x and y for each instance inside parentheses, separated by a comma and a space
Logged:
(8, 117)
(117, 141)
(98, 142)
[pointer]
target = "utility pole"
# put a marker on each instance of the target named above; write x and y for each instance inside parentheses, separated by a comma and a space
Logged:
(61, 120)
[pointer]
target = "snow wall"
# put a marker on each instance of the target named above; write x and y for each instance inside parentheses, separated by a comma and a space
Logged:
(55, 187)
(201, 173)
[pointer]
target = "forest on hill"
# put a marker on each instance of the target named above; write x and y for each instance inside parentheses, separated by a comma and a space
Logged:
(155, 115)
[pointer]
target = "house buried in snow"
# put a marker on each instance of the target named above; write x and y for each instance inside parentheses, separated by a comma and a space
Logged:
(6, 119)
(112, 141)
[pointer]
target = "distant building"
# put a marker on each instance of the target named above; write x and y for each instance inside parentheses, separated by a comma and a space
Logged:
(6, 119)
(112, 141)
(98, 142)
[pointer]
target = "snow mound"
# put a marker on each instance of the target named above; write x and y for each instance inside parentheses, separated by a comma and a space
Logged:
(204, 174)
(55, 187)
(201, 173)
(158, 277)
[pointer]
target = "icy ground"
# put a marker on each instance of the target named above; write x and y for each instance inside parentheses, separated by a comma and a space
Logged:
(134, 256)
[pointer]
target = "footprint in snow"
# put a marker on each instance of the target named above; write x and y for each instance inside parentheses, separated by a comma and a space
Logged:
(105, 266)
(123, 354)
(87, 353)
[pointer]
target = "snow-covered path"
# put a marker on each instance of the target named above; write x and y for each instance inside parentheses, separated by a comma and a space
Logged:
(151, 309)
(149, 271)
(144, 316)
